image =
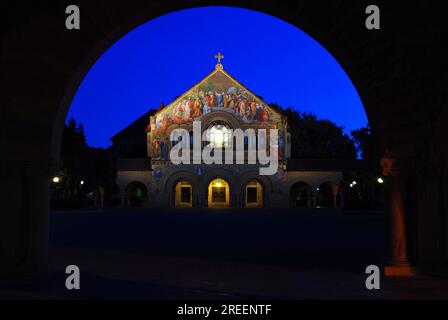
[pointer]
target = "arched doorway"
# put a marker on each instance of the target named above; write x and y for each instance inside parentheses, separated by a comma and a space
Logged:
(327, 195)
(183, 194)
(253, 194)
(218, 194)
(301, 195)
(137, 194)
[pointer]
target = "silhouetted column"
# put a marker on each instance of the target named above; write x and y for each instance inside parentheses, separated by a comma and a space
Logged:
(342, 197)
(430, 216)
(334, 189)
(314, 196)
(308, 198)
(24, 209)
(242, 201)
(101, 193)
(395, 209)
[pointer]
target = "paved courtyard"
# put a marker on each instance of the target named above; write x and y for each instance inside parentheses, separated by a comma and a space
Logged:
(223, 254)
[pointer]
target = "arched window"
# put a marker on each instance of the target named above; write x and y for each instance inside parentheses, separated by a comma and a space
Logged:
(219, 134)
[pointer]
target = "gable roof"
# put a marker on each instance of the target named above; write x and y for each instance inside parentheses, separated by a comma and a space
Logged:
(136, 128)
(221, 81)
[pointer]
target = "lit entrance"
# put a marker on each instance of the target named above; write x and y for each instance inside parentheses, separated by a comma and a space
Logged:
(254, 195)
(218, 194)
(184, 194)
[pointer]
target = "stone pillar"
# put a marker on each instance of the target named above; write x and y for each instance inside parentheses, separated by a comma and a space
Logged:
(101, 193)
(342, 193)
(241, 201)
(24, 207)
(430, 206)
(308, 198)
(334, 189)
(395, 209)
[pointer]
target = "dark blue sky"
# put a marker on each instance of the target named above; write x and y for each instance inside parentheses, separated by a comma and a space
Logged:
(164, 57)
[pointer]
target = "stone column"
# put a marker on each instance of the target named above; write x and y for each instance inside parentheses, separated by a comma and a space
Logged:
(309, 194)
(342, 193)
(101, 193)
(241, 201)
(430, 209)
(334, 189)
(24, 212)
(395, 209)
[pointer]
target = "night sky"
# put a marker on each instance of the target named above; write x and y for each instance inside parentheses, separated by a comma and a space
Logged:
(165, 57)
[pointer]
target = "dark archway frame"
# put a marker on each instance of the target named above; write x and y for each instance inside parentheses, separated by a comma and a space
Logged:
(396, 71)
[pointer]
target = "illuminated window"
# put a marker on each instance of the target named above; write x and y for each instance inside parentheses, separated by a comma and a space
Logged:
(218, 194)
(219, 135)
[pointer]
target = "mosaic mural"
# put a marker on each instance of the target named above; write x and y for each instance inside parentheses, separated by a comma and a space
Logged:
(218, 92)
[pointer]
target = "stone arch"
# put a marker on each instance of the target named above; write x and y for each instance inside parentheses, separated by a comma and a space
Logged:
(301, 194)
(218, 193)
(221, 173)
(254, 193)
(245, 178)
(170, 182)
(179, 175)
(327, 194)
(213, 172)
(217, 115)
(137, 194)
(182, 194)
(254, 175)
(389, 70)
(307, 21)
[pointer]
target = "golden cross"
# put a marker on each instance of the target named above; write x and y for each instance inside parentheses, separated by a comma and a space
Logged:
(219, 56)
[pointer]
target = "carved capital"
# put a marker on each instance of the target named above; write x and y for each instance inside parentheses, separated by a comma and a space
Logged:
(389, 166)
(396, 167)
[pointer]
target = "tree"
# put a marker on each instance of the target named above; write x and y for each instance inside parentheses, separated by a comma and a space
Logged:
(363, 141)
(314, 138)
(83, 169)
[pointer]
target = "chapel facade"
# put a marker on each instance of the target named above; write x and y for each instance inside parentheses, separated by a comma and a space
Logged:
(221, 105)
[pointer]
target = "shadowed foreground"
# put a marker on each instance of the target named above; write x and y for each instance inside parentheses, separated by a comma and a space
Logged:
(222, 254)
